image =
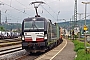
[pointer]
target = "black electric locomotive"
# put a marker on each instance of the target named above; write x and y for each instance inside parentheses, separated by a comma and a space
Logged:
(39, 34)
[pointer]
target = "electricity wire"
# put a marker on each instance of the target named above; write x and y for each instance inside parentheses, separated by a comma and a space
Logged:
(10, 15)
(50, 7)
(47, 11)
(86, 16)
(14, 8)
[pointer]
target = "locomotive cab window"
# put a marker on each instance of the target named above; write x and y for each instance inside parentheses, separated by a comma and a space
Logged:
(33, 25)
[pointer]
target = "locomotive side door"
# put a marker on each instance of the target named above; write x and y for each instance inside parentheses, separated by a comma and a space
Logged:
(49, 32)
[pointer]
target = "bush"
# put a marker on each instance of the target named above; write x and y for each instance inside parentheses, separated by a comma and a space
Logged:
(81, 53)
(2, 28)
(78, 45)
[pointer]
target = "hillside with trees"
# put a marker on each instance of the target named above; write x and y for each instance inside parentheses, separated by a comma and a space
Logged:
(11, 26)
(80, 23)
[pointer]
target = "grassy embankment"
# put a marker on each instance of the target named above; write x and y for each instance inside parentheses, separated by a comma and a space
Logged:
(80, 50)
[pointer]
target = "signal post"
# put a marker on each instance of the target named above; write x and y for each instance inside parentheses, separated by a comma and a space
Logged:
(85, 29)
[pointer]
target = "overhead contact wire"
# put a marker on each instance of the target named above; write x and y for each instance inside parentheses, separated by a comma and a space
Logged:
(47, 11)
(14, 8)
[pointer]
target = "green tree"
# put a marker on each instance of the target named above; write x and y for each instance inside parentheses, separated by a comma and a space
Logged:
(2, 28)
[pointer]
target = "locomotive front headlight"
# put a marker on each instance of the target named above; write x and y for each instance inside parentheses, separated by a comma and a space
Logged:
(22, 37)
(25, 33)
(45, 37)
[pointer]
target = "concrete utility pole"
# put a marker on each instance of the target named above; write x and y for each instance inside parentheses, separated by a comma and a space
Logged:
(75, 14)
(85, 18)
(80, 15)
(0, 17)
(0, 13)
(7, 20)
(57, 15)
(70, 27)
(80, 24)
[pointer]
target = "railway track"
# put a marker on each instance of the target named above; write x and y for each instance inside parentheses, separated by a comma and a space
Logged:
(7, 51)
(9, 42)
(32, 56)
(37, 56)
(11, 53)
(16, 53)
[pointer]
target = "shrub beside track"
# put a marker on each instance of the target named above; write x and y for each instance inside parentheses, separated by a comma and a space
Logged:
(80, 50)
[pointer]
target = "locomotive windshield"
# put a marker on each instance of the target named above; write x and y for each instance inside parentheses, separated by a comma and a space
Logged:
(33, 25)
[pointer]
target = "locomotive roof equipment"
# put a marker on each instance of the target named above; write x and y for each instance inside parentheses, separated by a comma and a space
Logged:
(39, 3)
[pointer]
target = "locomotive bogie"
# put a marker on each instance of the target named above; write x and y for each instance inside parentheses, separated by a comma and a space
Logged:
(34, 46)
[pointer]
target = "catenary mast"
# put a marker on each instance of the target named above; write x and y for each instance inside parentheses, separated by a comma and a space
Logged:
(75, 14)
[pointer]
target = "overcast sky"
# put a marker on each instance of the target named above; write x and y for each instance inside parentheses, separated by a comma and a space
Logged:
(17, 10)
